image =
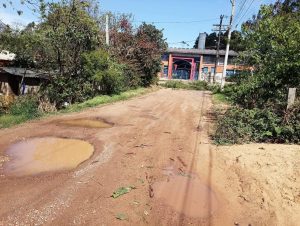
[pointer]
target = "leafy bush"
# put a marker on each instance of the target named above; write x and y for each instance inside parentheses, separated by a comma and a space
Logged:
(25, 105)
(198, 85)
(194, 85)
(175, 84)
(240, 125)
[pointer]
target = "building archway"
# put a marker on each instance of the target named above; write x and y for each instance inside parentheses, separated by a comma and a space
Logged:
(181, 69)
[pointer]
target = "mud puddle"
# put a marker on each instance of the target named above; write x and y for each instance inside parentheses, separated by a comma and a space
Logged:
(87, 123)
(38, 155)
(187, 195)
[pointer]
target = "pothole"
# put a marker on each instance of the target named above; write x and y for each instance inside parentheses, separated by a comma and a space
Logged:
(187, 195)
(38, 155)
(87, 123)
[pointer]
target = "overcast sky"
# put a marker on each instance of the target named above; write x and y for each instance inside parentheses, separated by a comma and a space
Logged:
(181, 20)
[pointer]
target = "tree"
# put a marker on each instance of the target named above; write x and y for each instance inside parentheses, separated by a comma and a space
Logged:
(236, 42)
(150, 46)
(273, 49)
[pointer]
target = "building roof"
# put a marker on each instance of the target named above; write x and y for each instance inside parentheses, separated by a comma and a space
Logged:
(199, 51)
(21, 71)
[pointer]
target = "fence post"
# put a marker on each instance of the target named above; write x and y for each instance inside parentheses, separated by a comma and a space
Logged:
(291, 97)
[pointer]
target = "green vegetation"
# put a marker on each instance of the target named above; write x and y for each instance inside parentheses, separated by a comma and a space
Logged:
(260, 100)
(27, 108)
(241, 125)
(220, 98)
(194, 85)
(68, 46)
(22, 109)
(105, 99)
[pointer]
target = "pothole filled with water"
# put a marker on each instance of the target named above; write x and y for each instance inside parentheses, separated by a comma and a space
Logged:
(38, 155)
(187, 195)
(87, 123)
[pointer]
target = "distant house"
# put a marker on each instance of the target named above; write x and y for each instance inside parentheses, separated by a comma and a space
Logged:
(197, 64)
(16, 81)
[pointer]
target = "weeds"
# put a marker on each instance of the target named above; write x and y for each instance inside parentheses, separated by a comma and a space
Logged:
(194, 85)
(26, 107)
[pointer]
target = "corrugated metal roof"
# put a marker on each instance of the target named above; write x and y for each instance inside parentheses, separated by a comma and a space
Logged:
(200, 51)
(28, 73)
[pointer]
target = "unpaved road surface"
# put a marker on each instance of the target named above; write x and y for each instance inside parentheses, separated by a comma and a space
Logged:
(159, 146)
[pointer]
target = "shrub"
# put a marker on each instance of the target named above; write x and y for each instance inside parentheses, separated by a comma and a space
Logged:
(25, 105)
(198, 85)
(194, 85)
(175, 84)
(240, 125)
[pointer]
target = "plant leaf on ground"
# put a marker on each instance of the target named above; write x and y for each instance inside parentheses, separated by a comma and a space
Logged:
(122, 191)
(122, 216)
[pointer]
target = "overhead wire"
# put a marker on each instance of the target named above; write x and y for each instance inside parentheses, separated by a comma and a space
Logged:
(245, 13)
(241, 8)
(175, 22)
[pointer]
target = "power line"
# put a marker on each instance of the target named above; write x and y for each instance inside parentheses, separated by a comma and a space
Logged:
(176, 22)
(241, 8)
(240, 19)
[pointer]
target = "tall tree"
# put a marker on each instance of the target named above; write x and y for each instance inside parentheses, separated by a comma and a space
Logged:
(273, 49)
(236, 43)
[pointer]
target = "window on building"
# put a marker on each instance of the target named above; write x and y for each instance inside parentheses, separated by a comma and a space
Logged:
(205, 70)
(209, 59)
(221, 61)
(230, 73)
(165, 57)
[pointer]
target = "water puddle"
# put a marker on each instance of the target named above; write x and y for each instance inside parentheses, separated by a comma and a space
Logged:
(187, 195)
(87, 123)
(38, 155)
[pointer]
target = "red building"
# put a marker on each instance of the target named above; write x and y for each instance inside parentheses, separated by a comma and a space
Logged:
(197, 64)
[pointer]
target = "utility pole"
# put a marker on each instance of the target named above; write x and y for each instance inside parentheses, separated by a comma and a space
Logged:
(107, 30)
(218, 46)
(228, 44)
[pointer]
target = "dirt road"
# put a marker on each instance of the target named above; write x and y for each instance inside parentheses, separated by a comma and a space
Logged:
(159, 149)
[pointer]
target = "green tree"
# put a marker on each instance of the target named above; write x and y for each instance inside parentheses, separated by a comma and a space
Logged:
(150, 45)
(273, 49)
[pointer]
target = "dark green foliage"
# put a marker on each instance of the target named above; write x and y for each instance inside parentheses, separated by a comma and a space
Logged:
(272, 48)
(236, 43)
(240, 125)
(149, 48)
(25, 105)
(195, 85)
(105, 74)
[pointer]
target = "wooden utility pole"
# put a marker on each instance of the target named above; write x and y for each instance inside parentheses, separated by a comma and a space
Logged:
(218, 46)
(107, 30)
(228, 44)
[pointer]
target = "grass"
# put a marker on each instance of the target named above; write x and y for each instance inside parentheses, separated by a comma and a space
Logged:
(105, 99)
(221, 98)
(8, 120)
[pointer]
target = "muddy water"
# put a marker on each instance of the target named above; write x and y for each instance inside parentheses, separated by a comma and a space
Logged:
(40, 155)
(187, 195)
(88, 123)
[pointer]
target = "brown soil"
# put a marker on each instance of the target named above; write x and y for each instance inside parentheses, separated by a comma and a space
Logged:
(159, 143)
